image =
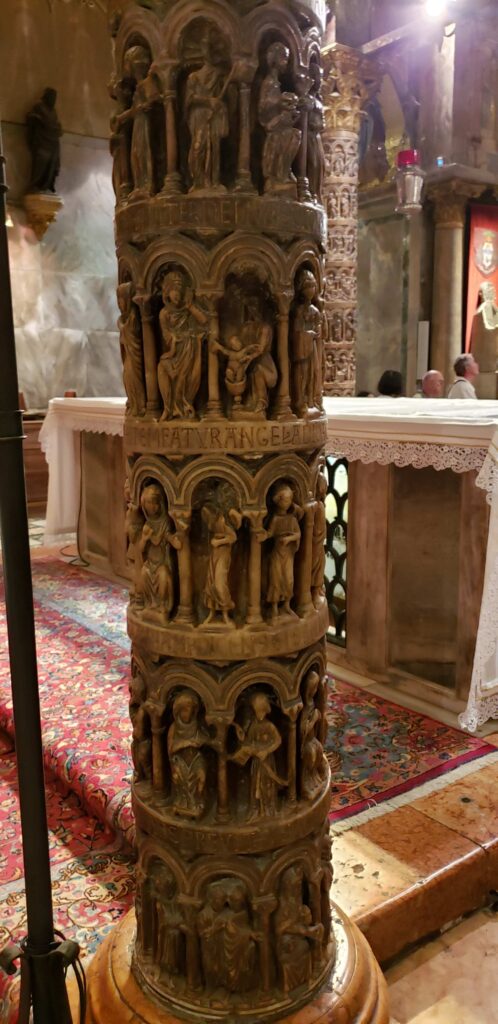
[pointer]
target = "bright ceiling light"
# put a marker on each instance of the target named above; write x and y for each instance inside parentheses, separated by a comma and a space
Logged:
(435, 8)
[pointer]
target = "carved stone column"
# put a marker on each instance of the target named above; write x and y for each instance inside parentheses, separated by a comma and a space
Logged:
(349, 78)
(228, 647)
(450, 203)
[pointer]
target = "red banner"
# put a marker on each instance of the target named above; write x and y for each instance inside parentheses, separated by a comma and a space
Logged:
(483, 258)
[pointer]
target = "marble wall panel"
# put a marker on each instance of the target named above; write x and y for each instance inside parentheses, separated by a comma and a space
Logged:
(381, 291)
(103, 362)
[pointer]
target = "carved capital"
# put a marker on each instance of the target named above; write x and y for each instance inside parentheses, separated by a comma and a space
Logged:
(41, 211)
(450, 200)
(349, 79)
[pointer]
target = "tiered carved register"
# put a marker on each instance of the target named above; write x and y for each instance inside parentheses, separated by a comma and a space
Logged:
(218, 168)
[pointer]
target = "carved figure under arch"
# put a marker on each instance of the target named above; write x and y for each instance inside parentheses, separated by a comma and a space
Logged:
(278, 114)
(319, 538)
(187, 738)
(207, 117)
(227, 937)
(183, 328)
(130, 339)
(154, 590)
(137, 64)
(296, 935)
(222, 537)
(306, 344)
(312, 759)
(284, 532)
(259, 739)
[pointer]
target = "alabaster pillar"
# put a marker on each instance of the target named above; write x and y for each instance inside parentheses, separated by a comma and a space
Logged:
(450, 204)
(232, 787)
(349, 78)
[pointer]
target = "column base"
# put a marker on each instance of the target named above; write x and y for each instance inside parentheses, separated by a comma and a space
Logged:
(356, 992)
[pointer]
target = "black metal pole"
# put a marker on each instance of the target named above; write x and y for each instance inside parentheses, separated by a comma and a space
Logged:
(46, 971)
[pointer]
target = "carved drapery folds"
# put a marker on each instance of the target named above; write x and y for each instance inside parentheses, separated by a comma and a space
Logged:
(349, 79)
(218, 170)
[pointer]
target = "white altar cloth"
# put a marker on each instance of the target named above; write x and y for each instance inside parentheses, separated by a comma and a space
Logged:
(445, 434)
(60, 435)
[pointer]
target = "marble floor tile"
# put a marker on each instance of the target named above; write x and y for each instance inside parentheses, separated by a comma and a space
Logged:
(365, 875)
(451, 980)
(469, 806)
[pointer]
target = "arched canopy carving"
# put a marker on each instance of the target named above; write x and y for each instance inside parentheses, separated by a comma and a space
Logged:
(227, 867)
(285, 467)
(151, 851)
(185, 13)
(185, 253)
(148, 468)
(243, 252)
(220, 468)
(138, 27)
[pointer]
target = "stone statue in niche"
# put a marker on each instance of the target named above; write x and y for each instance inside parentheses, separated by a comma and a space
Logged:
(186, 739)
(44, 133)
(137, 63)
(169, 921)
(210, 929)
(284, 531)
(278, 114)
(313, 763)
(222, 530)
(306, 344)
(134, 522)
(155, 591)
(295, 932)
(207, 117)
(130, 339)
(319, 538)
(141, 744)
(256, 371)
(258, 742)
(183, 328)
(316, 125)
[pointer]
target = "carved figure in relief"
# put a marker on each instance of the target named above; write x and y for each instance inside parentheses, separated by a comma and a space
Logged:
(295, 932)
(278, 113)
(141, 744)
(155, 590)
(238, 358)
(258, 743)
(186, 738)
(130, 339)
(207, 118)
(137, 63)
(319, 538)
(43, 133)
(239, 941)
(210, 923)
(169, 921)
(313, 764)
(306, 342)
(183, 327)
(316, 125)
(286, 535)
(255, 341)
(217, 595)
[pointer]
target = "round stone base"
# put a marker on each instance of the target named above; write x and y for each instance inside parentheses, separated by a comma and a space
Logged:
(356, 992)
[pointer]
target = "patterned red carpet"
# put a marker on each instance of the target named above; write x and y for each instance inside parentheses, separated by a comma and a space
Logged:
(83, 670)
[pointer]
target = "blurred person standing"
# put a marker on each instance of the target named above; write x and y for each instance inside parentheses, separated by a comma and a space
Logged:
(466, 370)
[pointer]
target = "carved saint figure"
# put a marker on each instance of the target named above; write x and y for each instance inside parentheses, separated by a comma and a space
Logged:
(207, 118)
(137, 65)
(169, 921)
(44, 132)
(238, 358)
(313, 764)
(156, 581)
(278, 113)
(254, 341)
(295, 932)
(141, 744)
(286, 535)
(307, 336)
(130, 339)
(217, 595)
(319, 538)
(183, 327)
(316, 125)
(134, 522)
(258, 743)
(239, 941)
(186, 738)
(210, 923)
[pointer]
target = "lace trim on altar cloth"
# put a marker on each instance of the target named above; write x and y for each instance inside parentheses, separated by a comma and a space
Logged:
(407, 453)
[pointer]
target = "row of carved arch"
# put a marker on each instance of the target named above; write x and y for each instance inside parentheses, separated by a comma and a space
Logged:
(250, 353)
(240, 929)
(255, 763)
(203, 106)
(248, 562)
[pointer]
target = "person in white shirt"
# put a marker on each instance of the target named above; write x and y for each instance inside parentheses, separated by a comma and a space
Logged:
(466, 370)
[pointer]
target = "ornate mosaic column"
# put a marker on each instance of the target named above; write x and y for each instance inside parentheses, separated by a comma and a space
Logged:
(348, 80)
(222, 337)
